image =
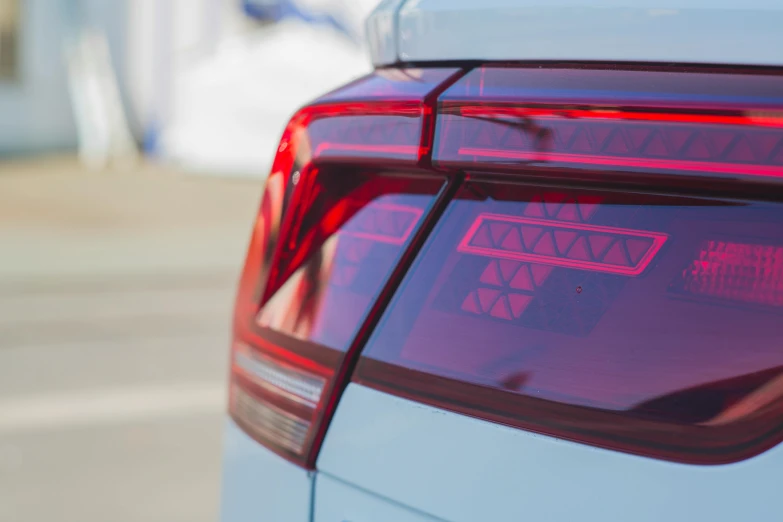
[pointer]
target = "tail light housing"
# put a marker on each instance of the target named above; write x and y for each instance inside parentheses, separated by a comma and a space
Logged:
(346, 198)
(593, 253)
(658, 122)
(602, 275)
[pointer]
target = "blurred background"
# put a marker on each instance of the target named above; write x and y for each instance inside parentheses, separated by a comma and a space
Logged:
(134, 140)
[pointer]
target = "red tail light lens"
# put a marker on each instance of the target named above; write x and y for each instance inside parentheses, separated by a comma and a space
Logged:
(289, 350)
(338, 211)
(635, 325)
(642, 323)
(737, 272)
(659, 122)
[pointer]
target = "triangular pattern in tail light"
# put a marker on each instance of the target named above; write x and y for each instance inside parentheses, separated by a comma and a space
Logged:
(610, 270)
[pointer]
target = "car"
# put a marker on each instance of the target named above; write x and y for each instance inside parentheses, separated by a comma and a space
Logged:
(530, 268)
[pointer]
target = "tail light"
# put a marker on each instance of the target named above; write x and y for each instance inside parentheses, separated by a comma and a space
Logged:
(431, 219)
(626, 319)
(346, 198)
(714, 125)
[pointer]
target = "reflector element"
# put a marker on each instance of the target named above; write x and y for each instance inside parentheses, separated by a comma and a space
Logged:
(738, 272)
(557, 243)
(276, 401)
(278, 378)
(269, 422)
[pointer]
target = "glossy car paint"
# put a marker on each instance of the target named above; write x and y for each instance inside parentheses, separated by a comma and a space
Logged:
(338, 501)
(381, 30)
(458, 468)
(680, 31)
(259, 485)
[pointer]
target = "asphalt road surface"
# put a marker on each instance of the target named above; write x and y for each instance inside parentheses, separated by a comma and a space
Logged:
(115, 296)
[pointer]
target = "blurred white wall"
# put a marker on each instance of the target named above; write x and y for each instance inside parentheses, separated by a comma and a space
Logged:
(35, 108)
(215, 91)
(163, 37)
(199, 81)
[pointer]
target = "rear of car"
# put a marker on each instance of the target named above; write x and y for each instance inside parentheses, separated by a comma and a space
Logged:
(531, 274)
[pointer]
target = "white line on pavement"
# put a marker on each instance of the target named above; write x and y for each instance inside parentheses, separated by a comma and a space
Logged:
(109, 406)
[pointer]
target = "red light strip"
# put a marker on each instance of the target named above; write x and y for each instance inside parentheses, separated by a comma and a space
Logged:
(748, 118)
(647, 163)
(364, 108)
(587, 247)
(404, 150)
(740, 143)
(383, 237)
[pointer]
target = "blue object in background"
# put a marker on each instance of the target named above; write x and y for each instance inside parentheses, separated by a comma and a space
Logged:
(267, 10)
(277, 10)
